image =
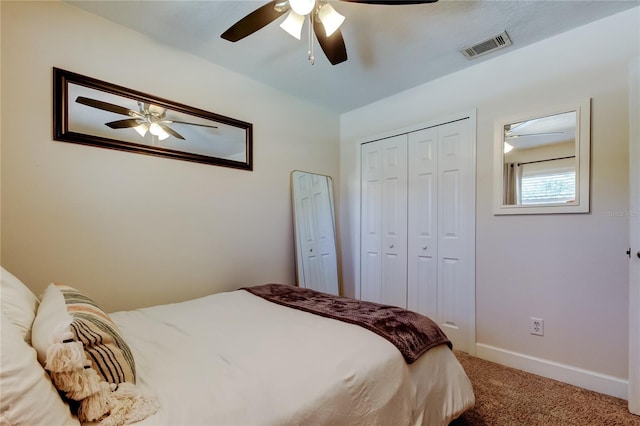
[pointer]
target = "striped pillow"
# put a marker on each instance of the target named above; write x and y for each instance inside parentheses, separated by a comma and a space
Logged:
(103, 344)
(87, 358)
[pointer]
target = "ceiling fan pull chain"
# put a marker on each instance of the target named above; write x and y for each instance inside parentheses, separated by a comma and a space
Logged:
(310, 56)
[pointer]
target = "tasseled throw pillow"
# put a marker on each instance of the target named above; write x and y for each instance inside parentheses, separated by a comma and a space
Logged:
(87, 358)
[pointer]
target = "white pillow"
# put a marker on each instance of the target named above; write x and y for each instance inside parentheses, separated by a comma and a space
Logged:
(28, 397)
(19, 304)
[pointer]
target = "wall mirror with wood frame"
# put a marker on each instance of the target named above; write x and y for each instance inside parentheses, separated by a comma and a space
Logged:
(542, 161)
(93, 112)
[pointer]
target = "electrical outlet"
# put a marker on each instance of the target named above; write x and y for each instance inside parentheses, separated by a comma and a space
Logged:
(536, 326)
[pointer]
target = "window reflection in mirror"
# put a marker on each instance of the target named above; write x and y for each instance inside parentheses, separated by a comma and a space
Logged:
(542, 162)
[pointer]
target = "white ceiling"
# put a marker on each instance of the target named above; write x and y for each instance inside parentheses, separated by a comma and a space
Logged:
(390, 48)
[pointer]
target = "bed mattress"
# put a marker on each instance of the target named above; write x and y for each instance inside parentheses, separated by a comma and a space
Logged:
(236, 359)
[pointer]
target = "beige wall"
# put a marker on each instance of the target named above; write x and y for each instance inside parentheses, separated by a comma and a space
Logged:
(135, 230)
(570, 270)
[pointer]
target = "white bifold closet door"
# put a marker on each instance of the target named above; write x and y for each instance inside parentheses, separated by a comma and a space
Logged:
(418, 225)
(384, 221)
(422, 263)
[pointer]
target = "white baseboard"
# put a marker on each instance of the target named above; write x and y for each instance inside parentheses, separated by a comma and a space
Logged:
(587, 379)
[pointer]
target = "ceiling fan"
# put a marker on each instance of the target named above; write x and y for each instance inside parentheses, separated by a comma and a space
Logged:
(537, 131)
(151, 118)
(544, 126)
(324, 22)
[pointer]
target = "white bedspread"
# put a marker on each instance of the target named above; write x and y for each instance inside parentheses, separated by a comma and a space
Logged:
(236, 359)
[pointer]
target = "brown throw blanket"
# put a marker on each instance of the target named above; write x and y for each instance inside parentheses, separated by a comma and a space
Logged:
(413, 334)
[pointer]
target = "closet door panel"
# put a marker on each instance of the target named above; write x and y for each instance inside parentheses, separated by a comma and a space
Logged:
(394, 222)
(371, 223)
(371, 276)
(455, 197)
(422, 278)
(393, 214)
(449, 278)
(449, 199)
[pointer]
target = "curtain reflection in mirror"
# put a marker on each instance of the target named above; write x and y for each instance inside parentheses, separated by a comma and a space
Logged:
(512, 179)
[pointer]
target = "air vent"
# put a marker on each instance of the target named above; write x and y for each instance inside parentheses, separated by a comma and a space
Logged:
(489, 45)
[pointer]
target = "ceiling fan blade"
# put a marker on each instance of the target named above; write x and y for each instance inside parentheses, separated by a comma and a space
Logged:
(171, 131)
(191, 124)
(106, 106)
(332, 46)
(392, 2)
(253, 22)
(123, 124)
(533, 134)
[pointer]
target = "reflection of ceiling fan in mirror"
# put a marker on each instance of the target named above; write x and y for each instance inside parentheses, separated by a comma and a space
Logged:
(323, 18)
(557, 124)
(540, 131)
(509, 135)
(149, 118)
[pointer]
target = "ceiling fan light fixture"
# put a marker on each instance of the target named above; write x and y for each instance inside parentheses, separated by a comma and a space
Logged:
(142, 129)
(156, 130)
(302, 7)
(293, 24)
(331, 20)
(507, 147)
(329, 37)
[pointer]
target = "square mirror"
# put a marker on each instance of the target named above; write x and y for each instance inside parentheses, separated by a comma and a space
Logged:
(542, 161)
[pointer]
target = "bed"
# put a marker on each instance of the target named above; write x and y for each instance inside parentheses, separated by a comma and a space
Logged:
(236, 358)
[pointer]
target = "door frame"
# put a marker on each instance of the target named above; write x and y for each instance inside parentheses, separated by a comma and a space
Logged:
(470, 293)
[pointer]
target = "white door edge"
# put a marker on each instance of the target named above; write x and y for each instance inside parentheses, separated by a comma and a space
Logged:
(634, 236)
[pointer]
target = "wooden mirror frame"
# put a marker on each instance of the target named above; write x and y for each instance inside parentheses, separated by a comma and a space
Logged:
(233, 132)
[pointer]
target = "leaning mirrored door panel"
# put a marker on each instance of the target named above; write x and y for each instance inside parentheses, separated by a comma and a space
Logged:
(315, 232)
(541, 162)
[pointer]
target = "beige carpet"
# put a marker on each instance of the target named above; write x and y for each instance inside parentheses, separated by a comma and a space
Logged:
(505, 396)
